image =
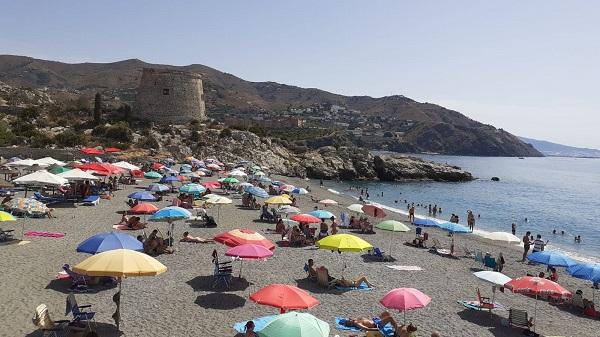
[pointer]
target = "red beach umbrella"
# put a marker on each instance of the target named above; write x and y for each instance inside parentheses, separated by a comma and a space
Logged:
(306, 218)
(144, 208)
(112, 150)
(211, 184)
(285, 297)
(104, 169)
(249, 251)
(92, 151)
(157, 166)
(239, 237)
(404, 299)
(374, 211)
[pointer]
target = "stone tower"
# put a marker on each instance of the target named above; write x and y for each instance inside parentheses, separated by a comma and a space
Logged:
(169, 96)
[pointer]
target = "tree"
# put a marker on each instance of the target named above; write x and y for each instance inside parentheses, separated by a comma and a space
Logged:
(97, 108)
(69, 138)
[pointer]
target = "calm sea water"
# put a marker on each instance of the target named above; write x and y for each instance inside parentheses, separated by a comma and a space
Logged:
(552, 193)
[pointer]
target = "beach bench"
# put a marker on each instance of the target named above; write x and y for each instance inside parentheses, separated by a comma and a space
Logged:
(47, 200)
(519, 318)
(91, 200)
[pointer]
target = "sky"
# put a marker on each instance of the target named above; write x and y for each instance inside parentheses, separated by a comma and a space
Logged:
(529, 67)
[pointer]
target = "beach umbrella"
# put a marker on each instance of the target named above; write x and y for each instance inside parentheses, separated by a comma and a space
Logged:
(109, 241)
(152, 175)
(91, 151)
(238, 173)
(77, 175)
(287, 209)
(300, 190)
(218, 200)
(142, 196)
(41, 177)
(287, 188)
(322, 214)
(120, 263)
(356, 208)
(249, 251)
(550, 258)
(259, 174)
(265, 180)
(170, 215)
(25, 163)
(257, 191)
(157, 166)
(157, 188)
(103, 169)
(530, 285)
(169, 179)
(144, 208)
(392, 226)
(27, 205)
(192, 189)
(211, 184)
(493, 277)
(290, 222)
(590, 272)
(328, 202)
(374, 211)
(453, 228)
(5, 216)
(502, 237)
(59, 169)
(295, 324)
(285, 297)
(213, 167)
(243, 236)
(306, 218)
(210, 196)
(127, 166)
(50, 161)
(404, 299)
(425, 222)
(246, 185)
(344, 243)
(278, 200)
(230, 180)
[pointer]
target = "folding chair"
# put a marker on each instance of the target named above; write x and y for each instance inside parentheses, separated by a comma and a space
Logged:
(78, 311)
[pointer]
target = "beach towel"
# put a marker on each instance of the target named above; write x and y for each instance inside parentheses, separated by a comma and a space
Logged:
(340, 326)
(474, 305)
(45, 234)
(124, 228)
(259, 323)
(361, 287)
(62, 275)
(405, 268)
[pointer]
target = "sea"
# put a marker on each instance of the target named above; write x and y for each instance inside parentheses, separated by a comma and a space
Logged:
(537, 194)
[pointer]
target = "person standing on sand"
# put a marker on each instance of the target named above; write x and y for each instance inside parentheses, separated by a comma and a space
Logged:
(470, 220)
(539, 244)
(513, 228)
(411, 214)
(526, 245)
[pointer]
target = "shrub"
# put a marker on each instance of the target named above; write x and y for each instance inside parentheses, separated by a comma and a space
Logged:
(119, 132)
(225, 133)
(6, 136)
(40, 140)
(148, 142)
(69, 138)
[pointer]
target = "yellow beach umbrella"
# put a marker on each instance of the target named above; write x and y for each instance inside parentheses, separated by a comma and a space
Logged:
(344, 243)
(4, 216)
(278, 199)
(120, 263)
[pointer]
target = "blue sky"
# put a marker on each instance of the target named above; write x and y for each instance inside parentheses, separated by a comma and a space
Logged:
(530, 67)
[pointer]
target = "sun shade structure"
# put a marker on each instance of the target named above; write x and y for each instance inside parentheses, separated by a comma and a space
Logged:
(109, 241)
(285, 297)
(425, 222)
(50, 161)
(356, 208)
(257, 191)
(322, 214)
(249, 251)
(127, 166)
(192, 189)
(4, 216)
(374, 211)
(287, 209)
(26, 163)
(91, 151)
(144, 208)
(152, 175)
(41, 177)
(77, 175)
(300, 191)
(307, 218)
(278, 200)
(142, 195)
(103, 169)
(550, 258)
(590, 272)
(502, 237)
(295, 324)
(244, 236)
(344, 243)
(158, 188)
(170, 215)
(404, 299)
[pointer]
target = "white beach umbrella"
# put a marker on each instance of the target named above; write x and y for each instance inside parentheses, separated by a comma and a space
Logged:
(502, 237)
(77, 175)
(26, 163)
(237, 173)
(356, 208)
(287, 209)
(47, 161)
(493, 277)
(41, 177)
(126, 165)
(218, 200)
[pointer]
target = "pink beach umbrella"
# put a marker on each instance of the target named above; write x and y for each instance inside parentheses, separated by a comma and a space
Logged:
(374, 211)
(404, 299)
(328, 202)
(249, 252)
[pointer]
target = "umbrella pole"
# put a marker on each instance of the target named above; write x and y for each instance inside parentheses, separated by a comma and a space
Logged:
(241, 266)
(404, 317)
(535, 313)
(390, 250)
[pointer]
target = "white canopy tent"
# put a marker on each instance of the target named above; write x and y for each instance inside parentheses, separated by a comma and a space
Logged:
(77, 175)
(41, 178)
(46, 161)
(126, 165)
(26, 163)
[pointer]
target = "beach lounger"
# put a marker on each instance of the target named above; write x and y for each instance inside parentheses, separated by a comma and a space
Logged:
(46, 325)
(323, 278)
(468, 252)
(380, 255)
(6, 235)
(489, 262)
(91, 200)
(79, 311)
(518, 318)
(47, 200)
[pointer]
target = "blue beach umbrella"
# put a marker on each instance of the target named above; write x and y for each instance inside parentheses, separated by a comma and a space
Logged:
(264, 179)
(550, 258)
(186, 166)
(169, 179)
(322, 214)
(157, 188)
(142, 195)
(185, 170)
(192, 189)
(257, 191)
(108, 241)
(425, 222)
(454, 227)
(169, 215)
(590, 272)
(299, 190)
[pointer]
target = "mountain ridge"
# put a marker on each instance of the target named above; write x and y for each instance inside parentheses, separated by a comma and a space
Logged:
(561, 150)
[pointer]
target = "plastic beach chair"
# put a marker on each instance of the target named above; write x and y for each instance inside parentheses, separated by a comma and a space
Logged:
(489, 262)
(91, 200)
(79, 311)
(518, 318)
(479, 257)
(378, 253)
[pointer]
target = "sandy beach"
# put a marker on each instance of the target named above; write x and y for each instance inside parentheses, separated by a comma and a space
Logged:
(182, 302)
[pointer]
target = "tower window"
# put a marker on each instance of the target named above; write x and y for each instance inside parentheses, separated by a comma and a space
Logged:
(165, 91)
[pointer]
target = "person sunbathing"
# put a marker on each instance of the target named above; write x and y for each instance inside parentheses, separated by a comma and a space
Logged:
(195, 239)
(135, 223)
(374, 324)
(296, 237)
(352, 283)
(279, 226)
(124, 219)
(156, 245)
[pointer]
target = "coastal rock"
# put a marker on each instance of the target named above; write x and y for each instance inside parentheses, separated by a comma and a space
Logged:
(390, 168)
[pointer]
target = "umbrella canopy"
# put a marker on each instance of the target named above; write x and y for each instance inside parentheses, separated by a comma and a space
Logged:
(4, 216)
(171, 213)
(393, 225)
(109, 241)
(142, 195)
(152, 175)
(425, 222)
(125, 165)
(59, 169)
(290, 222)
(295, 324)
(322, 214)
(454, 227)
(328, 202)
(157, 166)
(536, 286)
(91, 151)
(493, 277)
(230, 180)
(120, 263)
(50, 161)
(211, 184)
(344, 243)
(502, 237)
(219, 200)
(41, 177)
(356, 208)
(278, 200)
(104, 169)
(300, 190)
(77, 175)
(144, 208)
(374, 211)
(285, 297)
(590, 272)
(26, 162)
(306, 218)
(249, 251)
(257, 191)
(239, 237)
(192, 189)
(157, 188)
(287, 209)
(28, 205)
(169, 179)
(550, 258)
(287, 188)
(404, 299)
(238, 173)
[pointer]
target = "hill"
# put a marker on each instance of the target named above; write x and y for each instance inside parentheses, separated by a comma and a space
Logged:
(434, 128)
(559, 150)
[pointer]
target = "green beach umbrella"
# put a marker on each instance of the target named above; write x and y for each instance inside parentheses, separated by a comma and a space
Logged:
(393, 226)
(230, 180)
(59, 169)
(152, 175)
(295, 324)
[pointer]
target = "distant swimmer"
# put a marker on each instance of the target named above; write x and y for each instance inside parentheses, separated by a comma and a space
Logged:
(562, 232)
(578, 239)
(554, 231)
(526, 220)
